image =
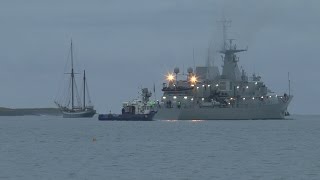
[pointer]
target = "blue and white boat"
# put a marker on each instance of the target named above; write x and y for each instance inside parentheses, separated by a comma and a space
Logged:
(135, 110)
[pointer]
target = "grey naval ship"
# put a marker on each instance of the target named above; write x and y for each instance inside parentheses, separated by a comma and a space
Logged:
(206, 94)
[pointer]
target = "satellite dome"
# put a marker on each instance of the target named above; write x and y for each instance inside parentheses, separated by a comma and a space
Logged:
(176, 70)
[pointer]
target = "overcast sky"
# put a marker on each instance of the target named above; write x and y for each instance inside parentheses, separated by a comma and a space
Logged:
(125, 44)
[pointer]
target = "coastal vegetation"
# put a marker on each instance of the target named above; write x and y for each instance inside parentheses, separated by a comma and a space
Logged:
(29, 111)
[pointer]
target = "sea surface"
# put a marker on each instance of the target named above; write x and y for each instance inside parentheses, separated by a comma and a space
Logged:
(44, 147)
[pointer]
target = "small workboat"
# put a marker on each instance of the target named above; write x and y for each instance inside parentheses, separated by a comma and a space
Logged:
(135, 110)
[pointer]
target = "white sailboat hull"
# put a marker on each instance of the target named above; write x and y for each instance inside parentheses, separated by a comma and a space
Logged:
(79, 114)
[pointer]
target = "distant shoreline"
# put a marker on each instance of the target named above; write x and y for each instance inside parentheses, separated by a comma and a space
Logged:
(29, 111)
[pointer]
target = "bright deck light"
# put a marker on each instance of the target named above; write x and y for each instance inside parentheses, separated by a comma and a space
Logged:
(174, 97)
(170, 77)
(193, 79)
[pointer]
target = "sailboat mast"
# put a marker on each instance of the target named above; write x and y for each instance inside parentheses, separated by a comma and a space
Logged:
(84, 89)
(72, 79)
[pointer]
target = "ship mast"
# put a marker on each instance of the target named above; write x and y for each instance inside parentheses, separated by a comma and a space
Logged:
(230, 66)
(225, 24)
(289, 84)
(72, 79)
(84, 89)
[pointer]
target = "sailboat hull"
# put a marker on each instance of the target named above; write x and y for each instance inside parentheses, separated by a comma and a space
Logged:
(79, 114)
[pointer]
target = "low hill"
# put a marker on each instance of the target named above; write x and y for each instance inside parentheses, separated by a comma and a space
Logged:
(29, 111)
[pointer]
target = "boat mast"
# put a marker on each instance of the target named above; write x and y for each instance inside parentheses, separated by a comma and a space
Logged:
(84, 89)
(289, 83)
(72, 79)
(225, 25)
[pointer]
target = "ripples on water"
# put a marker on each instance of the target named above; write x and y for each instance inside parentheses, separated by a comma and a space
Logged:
(56, 148)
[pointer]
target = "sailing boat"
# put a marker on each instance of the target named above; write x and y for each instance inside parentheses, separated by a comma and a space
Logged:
(74, 110)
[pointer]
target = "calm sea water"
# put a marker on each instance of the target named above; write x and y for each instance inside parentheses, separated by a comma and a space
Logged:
(56, 148)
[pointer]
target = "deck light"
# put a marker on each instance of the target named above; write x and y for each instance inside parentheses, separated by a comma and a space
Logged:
(193, 79)
(170, 77)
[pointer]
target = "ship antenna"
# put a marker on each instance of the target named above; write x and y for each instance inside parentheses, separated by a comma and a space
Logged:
(182, 69)
(154, 92)
(225, 25)
(289, 83)
(194, 63)
(84, 89)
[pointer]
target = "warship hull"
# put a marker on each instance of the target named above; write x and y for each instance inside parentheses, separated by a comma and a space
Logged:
(78, 114)
(270, 111)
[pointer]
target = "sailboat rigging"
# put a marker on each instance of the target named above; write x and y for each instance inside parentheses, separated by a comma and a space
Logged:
(76, 111)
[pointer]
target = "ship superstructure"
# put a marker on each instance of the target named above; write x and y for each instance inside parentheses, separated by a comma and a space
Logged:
(206, 94)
